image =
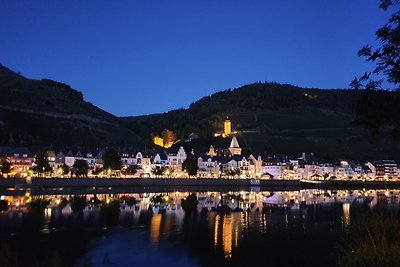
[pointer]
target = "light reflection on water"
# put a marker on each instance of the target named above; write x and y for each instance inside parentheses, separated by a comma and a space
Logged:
(228, 222)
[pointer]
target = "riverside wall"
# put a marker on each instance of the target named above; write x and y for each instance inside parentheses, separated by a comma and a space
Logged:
(154, 182)
(174, 184)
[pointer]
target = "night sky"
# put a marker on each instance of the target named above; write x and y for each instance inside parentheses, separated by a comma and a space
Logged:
(141, 57)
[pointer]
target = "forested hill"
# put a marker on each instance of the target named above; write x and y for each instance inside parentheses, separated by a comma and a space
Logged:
(276, 119)
(257, 106)
(270, 118)
(45, 112)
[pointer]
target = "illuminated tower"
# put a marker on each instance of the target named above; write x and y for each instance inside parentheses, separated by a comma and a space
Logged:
(227, 127)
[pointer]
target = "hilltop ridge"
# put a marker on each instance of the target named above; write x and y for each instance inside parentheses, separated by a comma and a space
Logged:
(269, 118)
(43, 112)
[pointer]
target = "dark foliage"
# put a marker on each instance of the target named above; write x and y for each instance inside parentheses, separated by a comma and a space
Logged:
(372, 241)
(80, 168)
(158, 170)
(161, 199)
(78, 203)
(130, 170)
(387, 56)
(5, 167)
(42, 163)
(206, 115)
(378, 109)
(129, 201)
(65, 169)
(38, 205)
(380, 112)
(190, 166)
(97, 171)
(64, 202)
(190, 203)
(109, 213)
(43, 112)
(3, 205)
(111, 159)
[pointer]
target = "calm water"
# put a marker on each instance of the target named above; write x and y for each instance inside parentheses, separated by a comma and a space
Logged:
(302, 228)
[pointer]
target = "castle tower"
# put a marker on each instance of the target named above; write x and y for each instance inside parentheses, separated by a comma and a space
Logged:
(227, 127)
(234, 147)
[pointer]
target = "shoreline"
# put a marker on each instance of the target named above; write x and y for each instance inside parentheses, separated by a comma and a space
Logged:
(148, 185)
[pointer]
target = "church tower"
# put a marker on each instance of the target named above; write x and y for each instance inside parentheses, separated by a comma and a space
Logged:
(234, 148)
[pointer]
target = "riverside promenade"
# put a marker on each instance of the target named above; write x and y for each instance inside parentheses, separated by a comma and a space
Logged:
(179, 184)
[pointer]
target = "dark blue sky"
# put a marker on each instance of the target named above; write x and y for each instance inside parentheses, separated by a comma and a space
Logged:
(140, 57)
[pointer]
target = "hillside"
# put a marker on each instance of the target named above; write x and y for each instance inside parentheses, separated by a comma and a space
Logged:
(45, 112)
(276, 119)
(270, 118)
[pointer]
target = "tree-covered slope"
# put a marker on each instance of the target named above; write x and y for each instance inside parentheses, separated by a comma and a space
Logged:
(277, 119)
(44, 112)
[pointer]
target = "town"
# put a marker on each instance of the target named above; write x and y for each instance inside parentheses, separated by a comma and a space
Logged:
(230, 163)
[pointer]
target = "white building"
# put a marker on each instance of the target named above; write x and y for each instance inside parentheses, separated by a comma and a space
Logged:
(176, 159)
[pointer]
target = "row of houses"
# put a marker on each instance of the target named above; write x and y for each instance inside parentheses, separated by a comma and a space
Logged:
(214, 163)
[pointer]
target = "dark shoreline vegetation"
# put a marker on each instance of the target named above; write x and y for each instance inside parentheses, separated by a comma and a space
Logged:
(373, 240)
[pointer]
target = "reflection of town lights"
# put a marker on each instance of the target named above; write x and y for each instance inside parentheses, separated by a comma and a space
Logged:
(47, 212)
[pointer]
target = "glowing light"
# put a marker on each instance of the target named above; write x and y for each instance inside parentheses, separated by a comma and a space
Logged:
(346, 214)
(216, 226)
(155, 228)
(227, 242)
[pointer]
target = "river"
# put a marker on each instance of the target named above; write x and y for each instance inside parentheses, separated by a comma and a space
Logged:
(244, 228)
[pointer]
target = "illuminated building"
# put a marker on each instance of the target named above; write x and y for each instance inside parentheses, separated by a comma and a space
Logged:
(158, 141)
(227, 128)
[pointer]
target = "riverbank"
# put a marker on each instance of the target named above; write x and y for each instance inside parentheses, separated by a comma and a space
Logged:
(200, 184)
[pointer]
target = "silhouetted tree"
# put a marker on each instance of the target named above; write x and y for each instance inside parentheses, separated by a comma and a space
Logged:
(65, 169)
(161, 199)
(378, 109)
(3, 205)
(190, 203)
(190, 166)
(97, 171)
(38, 205)
(129, 201)
(158, 170)
(109, 213)
(111, 159)
(78, 203)
(42, 163)
(5, 167)
(232, 172)
(80, 168)
(130, 170)
(387, 56)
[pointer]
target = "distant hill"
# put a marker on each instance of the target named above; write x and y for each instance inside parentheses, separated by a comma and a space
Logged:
(276, 119)
(270, 118)
(46, 112)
